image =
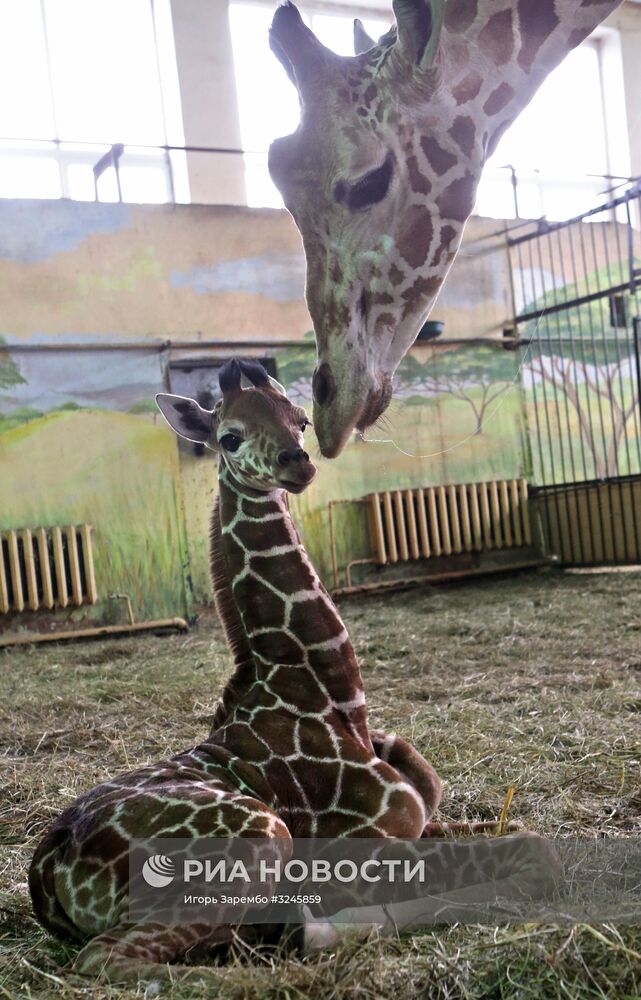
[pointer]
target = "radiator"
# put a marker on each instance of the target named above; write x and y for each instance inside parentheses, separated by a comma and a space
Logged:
(46, 568)
(447, 520)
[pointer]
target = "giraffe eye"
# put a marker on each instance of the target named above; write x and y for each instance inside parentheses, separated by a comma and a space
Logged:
(371, 188)
(304, 424)
(231, 442)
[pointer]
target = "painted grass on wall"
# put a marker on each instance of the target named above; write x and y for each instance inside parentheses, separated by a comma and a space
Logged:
(120, 475)
(199, 487)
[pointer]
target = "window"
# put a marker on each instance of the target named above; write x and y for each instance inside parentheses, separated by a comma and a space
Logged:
(557, 147)
(82, 75)
(271, 109)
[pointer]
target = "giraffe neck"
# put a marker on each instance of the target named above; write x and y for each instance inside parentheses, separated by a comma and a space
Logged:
(493, 57)
(244, 667)
(300, 648)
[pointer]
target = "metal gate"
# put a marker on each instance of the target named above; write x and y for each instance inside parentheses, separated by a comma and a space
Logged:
(577, 308)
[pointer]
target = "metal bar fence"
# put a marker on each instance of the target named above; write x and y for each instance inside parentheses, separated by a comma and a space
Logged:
(579, 323)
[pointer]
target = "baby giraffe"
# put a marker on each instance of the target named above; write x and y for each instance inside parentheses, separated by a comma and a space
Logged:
(290, 753)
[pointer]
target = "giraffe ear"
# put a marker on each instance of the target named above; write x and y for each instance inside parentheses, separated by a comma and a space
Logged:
(279, 52)
(188, 419)
(419, 24)
(362, 41)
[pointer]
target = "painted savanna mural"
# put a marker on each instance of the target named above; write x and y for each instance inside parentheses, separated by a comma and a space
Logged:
(80, 441)
(456, 417)
(102, 304)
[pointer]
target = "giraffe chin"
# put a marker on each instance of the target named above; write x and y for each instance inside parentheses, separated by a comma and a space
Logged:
(293, 487)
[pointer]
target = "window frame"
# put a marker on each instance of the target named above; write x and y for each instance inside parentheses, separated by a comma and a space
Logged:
(69, 153)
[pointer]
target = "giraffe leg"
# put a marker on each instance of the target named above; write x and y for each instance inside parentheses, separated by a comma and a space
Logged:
(414, 768)
(471, 880)
(436, 829)
(134, 951)
(402, 756)
(79, 876)
(141, 951)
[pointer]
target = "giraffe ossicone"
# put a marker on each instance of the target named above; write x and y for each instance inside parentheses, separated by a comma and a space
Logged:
(381, 174)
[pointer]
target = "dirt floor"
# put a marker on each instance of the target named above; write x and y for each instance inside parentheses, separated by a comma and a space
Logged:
(532, 681)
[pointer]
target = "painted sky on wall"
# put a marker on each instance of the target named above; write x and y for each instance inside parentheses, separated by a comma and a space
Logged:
(57, 231)
(110, 380)
(280, 276)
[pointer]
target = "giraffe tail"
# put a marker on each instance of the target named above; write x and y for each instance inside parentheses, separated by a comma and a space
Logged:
(42, 886)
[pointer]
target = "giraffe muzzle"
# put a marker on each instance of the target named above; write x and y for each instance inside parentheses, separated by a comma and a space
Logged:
(286, 458)
(298, 470)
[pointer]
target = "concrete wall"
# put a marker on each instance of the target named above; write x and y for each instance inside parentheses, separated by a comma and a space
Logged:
(73, 270)
(208, 98)
(626, 24)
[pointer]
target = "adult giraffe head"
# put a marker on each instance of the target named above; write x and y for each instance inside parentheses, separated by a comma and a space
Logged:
(381, 174)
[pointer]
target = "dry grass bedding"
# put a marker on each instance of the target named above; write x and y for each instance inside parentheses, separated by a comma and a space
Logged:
(532, 681)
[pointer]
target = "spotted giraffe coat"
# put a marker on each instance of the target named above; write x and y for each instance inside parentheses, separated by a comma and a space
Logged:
(290, 753)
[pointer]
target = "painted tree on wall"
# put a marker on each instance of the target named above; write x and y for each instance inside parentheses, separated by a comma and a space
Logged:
(9, 371)
(476, 374)
(602, 395)
(589, 320)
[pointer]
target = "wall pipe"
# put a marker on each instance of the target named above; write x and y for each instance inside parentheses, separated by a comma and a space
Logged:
(96, 631)
(91, 633)
(332, 535)
(356, 562)
(159, 345)
(413, 581)
(212, 345)
(130, 610)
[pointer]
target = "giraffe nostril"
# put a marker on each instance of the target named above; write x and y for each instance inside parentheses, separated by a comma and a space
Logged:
(283, 459)
(298, 454)
(323, 385)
